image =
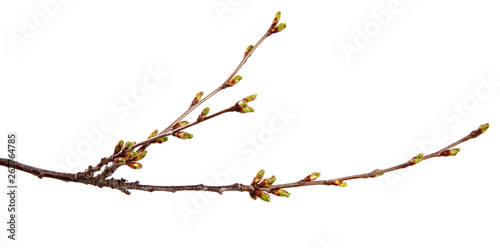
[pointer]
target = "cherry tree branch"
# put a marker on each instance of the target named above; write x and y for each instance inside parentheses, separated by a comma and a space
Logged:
(125, 153)
(257, 188)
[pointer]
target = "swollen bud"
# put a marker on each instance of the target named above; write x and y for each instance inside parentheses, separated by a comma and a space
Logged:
(181, 124)
(249, 48)
(183, 135)
(277, 18)
(312, 177)
(480, 130)
(153, 134)
(267, 182)
(130, 154)
(139, 155)
(377, 175)
(280, 192)
(258, 177)
(203, 114)
(234, 80)
(118, 147)
(279, 28)
(416, 159)
(246, 109)
(250, 98)
(263, 196)
(339, 183)
(451, 152)
(197, 98)
(161, 140)
(128, 145)
(120, 161)
(135, 165)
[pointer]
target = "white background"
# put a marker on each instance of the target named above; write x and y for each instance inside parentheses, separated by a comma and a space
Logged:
(415, 83)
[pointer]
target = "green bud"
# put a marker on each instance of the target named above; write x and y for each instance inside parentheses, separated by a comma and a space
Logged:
(484, 127)
(263, 196)
(181, 124)
(280, 192)
(377, 175)
(451, 152)
(118, 147)
(161, 140)
(312, 177)
(343, 184)
(138, 156)
(277, 18)
(128, 145)
(279, 28)
(197, 98)
(416, 159)
(153, 134)
(130, 154)
(250, 98)
(242, 103)
(258, 177)
(246, 109)
(135, 165)
(183, 135)
(120, 160)
(338, 182)
(234, 81)
(249, 48)
(267, 182)
(203, 114)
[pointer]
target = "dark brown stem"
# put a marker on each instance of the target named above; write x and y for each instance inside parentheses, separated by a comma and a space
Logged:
(124, 186)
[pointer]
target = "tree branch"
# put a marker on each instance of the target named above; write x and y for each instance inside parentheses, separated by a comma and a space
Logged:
(257, 188)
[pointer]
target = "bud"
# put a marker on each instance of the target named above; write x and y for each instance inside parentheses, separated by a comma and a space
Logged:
(277, 18)
(203, 114)
(279, 28)
(377, 175)
(197, 98)
(246, 109)
(242, 103)
(118, 147)
(252, 195)
(135, 165)
(280, 192)
(249, 48)
(480, 130)
(181, 124)
(183, 135)
(343, 184)
(153, 134)
(128, 145)
(267, 182)
(258, 177)
(263, 196)
(139, 155)
(416, 159)
(451, 152)
(339, 183)
(312, 177)
(130, 154)
(234, 80)
(120, 160)
(161, 140)
(250, 98)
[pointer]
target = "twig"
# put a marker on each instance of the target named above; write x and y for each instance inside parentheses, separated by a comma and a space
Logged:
(257, 188)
